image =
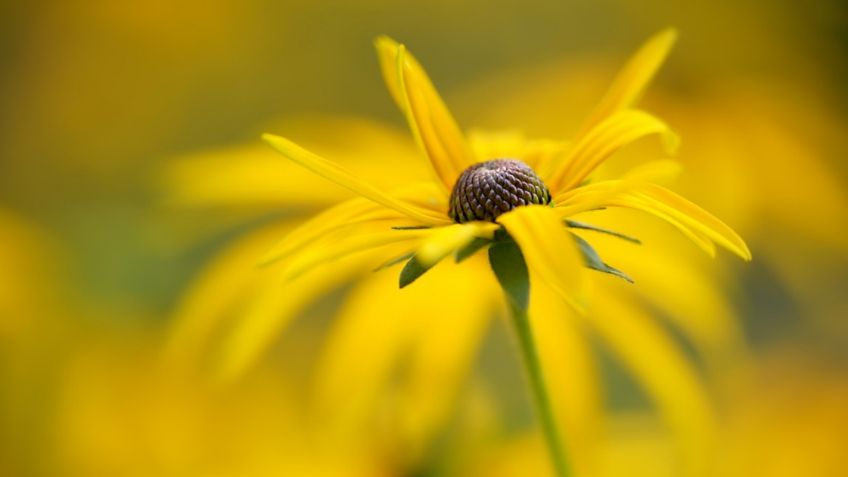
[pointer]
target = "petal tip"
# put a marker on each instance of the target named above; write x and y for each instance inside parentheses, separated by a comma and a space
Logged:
(385, 42)
(273, 140)
(668, 35)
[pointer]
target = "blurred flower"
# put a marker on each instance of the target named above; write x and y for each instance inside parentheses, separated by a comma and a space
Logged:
(412, 223)
(789, 420)
(33, 305)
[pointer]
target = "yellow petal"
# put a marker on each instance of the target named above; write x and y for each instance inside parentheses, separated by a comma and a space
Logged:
(330, 251)
(632, 80)
(592, 197)
(670, 206)
(445, 240)
(602, 141)
(536, 153)
(658, 171)
(374, 327)
(431, 334)
(222, 284)
(665, 373)
(704, 229)
(273, 305)
(344, 214)
(571, 375)
(387, 50)
(548, 249)
(253, 175)
(641, 203)
(345, 179)
(447, 343)
(430, 121)
(242, 176)
(703, 313)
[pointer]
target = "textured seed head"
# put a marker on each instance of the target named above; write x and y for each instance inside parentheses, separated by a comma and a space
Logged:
(489, 189)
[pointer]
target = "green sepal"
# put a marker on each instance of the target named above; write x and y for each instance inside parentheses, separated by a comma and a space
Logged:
(411, 227)
(469, 250)
(411, 271)
(510, 269)
(592, 260)
(574, 224)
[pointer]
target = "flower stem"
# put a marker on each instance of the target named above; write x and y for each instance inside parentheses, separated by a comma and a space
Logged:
(510, 269)
(542, 401)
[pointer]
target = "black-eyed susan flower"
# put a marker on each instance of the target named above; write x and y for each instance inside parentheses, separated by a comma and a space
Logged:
(529, 196)
(517, 207)
(521, 207)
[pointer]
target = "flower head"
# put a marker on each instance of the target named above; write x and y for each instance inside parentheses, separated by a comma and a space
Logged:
(488, 189)
(530, 197)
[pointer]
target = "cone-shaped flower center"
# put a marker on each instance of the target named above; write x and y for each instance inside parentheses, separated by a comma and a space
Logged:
(489, 189)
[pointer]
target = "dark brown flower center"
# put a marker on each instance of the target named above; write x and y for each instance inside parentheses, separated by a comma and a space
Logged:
(488, 189)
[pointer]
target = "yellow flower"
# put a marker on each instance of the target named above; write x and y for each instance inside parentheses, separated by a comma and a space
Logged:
(412, 221)
(474, 196)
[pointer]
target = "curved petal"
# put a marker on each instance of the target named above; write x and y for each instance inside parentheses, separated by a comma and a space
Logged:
(339, 248)
(682, 214)
(703, 228)
(274, 304)
(602, 141)
(431, 122)
(253, 175)
(536, 153)
(662, 268)
(445, 240)
(345, 179)
(342, 215)
(571, 374)
(548, 249)
(664, 371)
(419, 341)
(222, 284)
(632, 80)
(242, 176)
(446, 345)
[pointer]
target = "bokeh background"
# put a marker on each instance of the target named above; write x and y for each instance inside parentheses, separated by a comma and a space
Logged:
(101, 98)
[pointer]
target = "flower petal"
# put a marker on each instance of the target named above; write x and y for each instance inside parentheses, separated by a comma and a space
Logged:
(664, 371)
(436, 355)
(602, 141)
(704, 313)
(387, 51)
(632, 80)
(446, 240)
(340, 176)
(571, 374)
(448, 340)
(431, 122)
(274, 305)
(222, 284)
(350, 213)
(548, 249)
(682, 213)
(329, 252)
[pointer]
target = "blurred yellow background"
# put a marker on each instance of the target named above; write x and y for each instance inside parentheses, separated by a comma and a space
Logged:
(103, 99)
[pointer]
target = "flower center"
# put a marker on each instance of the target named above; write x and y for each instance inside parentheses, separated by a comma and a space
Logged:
(488, 189)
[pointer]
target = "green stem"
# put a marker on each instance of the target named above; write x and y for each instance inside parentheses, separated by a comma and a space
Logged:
(541, 399)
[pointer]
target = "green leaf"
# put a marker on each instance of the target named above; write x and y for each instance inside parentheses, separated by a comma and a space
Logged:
(592, 260)
(583, 225)
(411, 271)
(510, 269)
(471, 249)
